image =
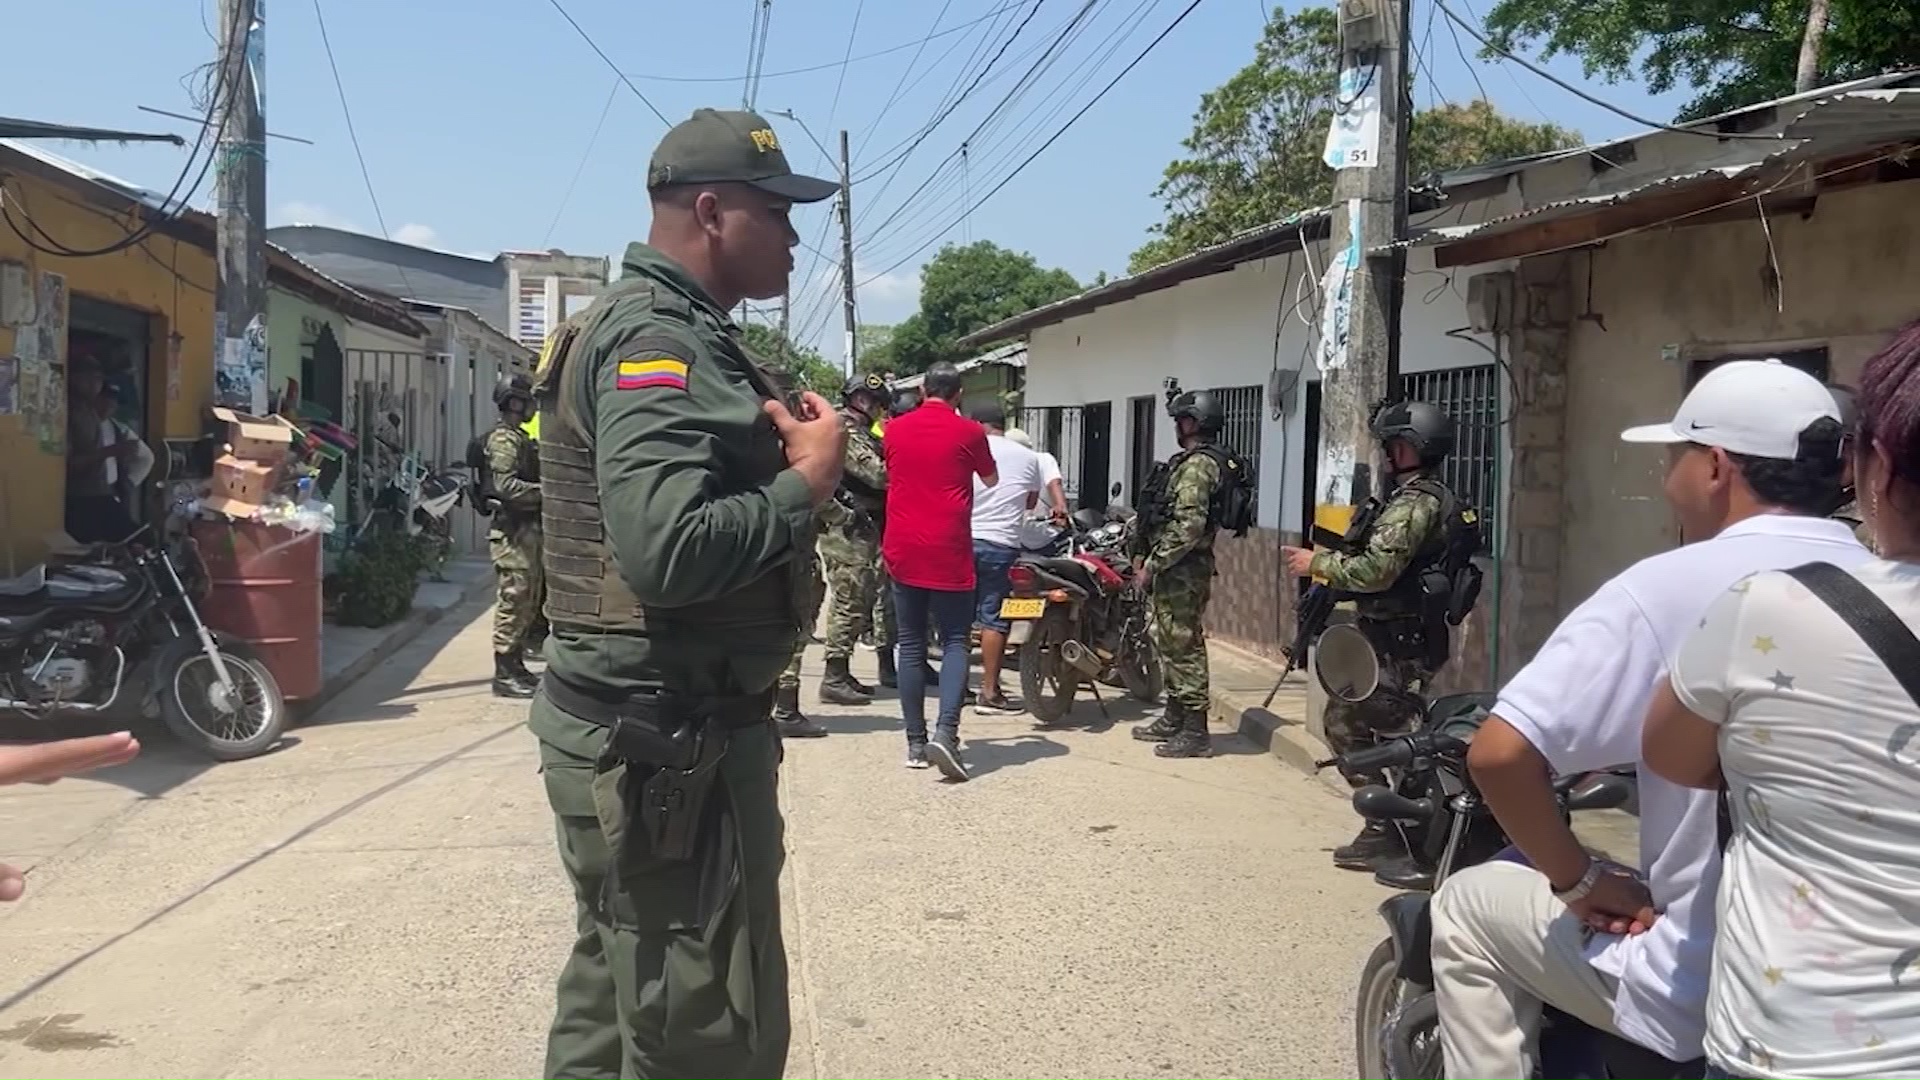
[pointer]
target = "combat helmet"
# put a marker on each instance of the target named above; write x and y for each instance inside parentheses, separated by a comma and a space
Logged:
(1422, 426)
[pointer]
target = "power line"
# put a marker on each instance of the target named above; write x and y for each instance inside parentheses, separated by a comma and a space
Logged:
(352, 135)
(1064, 128)
(1583, 95)
(586, 154)
(840, 83)
(876, 54)
(757, 49)
(584, 36)
(894, 94)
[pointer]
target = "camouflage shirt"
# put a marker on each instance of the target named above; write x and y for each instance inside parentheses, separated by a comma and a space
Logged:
(866, 466)
(509, 452)
(1405, 524)
(1850, 514)
(1188, 529)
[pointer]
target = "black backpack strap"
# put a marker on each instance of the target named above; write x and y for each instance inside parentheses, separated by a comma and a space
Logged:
(1866, 615)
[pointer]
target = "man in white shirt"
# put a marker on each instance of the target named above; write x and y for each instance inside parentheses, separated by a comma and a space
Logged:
(1753, 467)
(999, 513)
(1034, 531)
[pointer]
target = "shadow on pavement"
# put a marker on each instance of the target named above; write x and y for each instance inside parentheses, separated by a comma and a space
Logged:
(988, 756)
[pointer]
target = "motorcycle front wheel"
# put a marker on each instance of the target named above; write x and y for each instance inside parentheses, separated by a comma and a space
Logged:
(1396, 1024)
(1140, 671)
(224, 725)
(1047, 682)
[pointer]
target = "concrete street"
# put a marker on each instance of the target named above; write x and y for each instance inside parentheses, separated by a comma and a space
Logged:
(380, 898)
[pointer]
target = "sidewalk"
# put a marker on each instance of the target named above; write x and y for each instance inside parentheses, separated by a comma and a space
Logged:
(1241, 681)
(348, 652)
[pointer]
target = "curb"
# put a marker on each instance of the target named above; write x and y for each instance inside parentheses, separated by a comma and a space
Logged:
(1291, 743)
(398, 635)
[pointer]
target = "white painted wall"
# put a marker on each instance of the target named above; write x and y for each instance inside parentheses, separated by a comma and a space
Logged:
(1219, 331)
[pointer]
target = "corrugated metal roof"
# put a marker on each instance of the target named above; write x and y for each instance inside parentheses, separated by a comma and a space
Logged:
(13, 128)
(147, 197)
(1848, 123)
(1014, 355)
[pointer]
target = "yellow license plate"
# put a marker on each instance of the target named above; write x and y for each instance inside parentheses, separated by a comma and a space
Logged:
(1014, 608)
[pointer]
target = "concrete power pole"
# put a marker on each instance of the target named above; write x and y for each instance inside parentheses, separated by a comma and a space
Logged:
(846, 247)
(1807, 74)
(1370, 212)
(240, 298)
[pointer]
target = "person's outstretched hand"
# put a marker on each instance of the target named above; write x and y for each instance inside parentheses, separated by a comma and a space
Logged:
(43, 763)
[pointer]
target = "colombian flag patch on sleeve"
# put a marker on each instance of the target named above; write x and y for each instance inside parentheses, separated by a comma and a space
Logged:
(641, 373)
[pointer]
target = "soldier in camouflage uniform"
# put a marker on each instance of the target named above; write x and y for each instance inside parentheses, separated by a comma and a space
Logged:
(1417, 437)
(514, 540)
(851, 548)
(886, 640)
(1178, 573)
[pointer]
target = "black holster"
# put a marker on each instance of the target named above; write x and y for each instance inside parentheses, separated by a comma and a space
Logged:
(672, 746)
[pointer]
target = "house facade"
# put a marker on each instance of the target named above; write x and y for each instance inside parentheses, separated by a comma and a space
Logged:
(1550, 303)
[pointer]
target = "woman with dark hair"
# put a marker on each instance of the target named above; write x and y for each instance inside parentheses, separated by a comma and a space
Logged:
(1815, 740)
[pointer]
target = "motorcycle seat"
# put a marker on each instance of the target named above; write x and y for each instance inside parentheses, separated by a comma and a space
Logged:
(1068, 568)
(28, 584)
(89, 588)
(19, 625)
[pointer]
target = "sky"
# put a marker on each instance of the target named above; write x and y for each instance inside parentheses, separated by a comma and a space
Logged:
(478, 118)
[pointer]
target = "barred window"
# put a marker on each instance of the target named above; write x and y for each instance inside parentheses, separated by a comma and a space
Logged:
(1471, 396)
(1244, 407)
(1056, 430)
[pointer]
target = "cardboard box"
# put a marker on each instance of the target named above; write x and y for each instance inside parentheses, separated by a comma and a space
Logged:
(264, 439)
(242, 483)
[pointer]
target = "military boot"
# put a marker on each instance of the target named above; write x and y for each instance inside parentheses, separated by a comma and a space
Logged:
(889, 675)
(854, 681)
(1192, 739)
(838, 688)
(1374, 846)
(1165, 727)
(789, 720)
(511, 679)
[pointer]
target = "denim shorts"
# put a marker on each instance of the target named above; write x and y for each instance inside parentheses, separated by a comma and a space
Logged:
(990, 565)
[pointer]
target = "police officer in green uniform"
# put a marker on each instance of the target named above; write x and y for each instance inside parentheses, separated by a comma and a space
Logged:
(1404, 539)
(513, 542)
(680, 494)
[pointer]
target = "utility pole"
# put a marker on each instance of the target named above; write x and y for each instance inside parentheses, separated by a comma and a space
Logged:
(240, 296)
(1807, 74)
(846, 246)
(1370, 213)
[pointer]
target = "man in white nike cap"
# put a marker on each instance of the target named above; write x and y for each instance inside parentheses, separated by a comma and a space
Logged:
(1753, 467)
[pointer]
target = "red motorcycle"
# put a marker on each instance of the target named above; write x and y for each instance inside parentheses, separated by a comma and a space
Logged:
(1089, 618)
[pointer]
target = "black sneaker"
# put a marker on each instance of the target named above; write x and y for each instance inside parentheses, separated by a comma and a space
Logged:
(1369, 850)
(944, 752)
(997, 705)
(1402, 872)
(917, 756)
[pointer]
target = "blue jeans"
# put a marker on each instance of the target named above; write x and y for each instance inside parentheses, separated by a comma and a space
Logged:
(952, 615)
(991, 562)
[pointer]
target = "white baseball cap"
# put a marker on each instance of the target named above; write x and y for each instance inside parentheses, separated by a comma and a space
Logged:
(1015, 435)
(1752, 407)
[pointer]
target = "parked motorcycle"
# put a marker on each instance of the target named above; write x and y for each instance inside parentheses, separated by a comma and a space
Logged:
(121, 626)
(1088, 617)
(1448, 827)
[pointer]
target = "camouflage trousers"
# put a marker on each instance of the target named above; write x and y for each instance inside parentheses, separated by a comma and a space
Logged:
(790, 678)
(1178, 603)
(883, 630)
(522, 588)
(1354, 726)
(853, 576)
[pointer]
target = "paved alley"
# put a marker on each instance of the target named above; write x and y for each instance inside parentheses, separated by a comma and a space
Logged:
(380, 898)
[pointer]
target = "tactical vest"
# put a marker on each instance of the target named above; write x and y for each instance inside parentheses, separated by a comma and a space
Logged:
(1154, 501)
(584, 588)
(527, 467)
(1406, 597)
(871, 499)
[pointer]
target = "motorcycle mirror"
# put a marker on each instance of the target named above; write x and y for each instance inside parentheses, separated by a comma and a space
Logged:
(1115, 492)
(1346, 664)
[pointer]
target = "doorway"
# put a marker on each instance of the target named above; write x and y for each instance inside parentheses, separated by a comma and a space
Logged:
(118, 339)
(1096, 449)
(1140, 450)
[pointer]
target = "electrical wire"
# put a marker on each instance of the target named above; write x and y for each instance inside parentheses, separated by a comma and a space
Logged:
(876, 54)
(585, 155)
(588, 38)
(1055, 137)
(353, 136)
(226, 83)
(893, 95)
(1583, 95)
(841, 82)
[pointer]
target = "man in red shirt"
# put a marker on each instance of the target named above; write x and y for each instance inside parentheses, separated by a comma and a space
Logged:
(933, 453)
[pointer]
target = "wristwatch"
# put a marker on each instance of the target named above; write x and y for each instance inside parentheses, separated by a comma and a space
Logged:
(1579, 889)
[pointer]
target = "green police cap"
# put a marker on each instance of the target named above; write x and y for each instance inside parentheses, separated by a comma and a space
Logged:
(714, 147)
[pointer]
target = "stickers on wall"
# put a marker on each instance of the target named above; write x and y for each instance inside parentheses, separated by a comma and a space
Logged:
(41, 346)
(9, 385)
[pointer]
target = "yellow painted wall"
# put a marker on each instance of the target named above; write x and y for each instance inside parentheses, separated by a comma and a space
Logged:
(32, 481)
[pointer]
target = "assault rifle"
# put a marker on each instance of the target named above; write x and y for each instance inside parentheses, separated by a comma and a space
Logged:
(1318, 604)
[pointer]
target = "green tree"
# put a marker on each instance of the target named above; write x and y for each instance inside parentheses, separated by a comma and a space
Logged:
(1733, 52)
(1255, 154)
(963, 289)
(811, 371)
(875, 347)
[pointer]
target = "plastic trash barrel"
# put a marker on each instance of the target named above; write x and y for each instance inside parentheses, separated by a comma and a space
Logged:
(266, 592)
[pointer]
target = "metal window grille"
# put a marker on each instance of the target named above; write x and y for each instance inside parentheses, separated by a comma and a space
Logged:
(1243, 406)
(1056, 429)
(1471, 395)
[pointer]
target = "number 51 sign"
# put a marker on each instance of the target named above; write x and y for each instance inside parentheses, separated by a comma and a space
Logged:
(1353, 139)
